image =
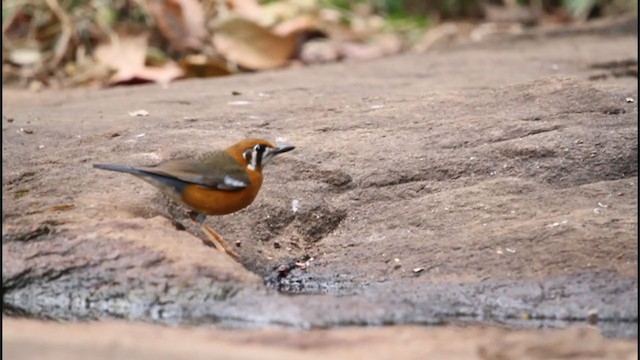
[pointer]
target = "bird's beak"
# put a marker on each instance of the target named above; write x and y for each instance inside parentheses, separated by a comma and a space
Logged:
(279, 149)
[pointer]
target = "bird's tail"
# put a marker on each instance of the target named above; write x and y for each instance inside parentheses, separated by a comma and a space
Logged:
(119, 168)
(171, 186)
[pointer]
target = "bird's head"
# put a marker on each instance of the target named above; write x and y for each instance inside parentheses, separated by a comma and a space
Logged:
(255, 153)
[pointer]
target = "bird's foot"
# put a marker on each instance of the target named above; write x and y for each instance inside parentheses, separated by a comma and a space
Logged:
(219, 243)
(214, 238)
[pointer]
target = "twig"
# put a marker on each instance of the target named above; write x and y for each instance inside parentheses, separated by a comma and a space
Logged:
(65, 37)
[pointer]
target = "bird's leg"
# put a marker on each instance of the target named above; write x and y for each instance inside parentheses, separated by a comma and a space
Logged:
(216, 239)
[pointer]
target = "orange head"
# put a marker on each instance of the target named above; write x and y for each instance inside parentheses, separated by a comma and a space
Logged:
(255, 153)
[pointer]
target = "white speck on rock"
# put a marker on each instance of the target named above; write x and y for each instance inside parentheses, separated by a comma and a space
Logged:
(139, 113)
(239, 103)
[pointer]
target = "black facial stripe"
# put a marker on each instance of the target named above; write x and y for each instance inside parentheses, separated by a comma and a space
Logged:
(259, 151)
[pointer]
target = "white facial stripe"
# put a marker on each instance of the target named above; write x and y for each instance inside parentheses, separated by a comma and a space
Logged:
(252, 164)
(260, 155)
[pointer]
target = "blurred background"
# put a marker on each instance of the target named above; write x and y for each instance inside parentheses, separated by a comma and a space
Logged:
(70, 43)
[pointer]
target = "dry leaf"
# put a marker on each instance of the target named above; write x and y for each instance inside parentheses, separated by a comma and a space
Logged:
(296, 25)
(24, 56)
(441, 34)
(251, 45)
(201, 66)
(160, 74)
(275, 12)
(382, 46)
(126, 54)
(182, 22)
(16, 26)
(319, 51)
(511, 13)
(248, 9)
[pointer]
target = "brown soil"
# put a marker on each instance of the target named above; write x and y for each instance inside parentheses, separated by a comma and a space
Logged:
(494, 182)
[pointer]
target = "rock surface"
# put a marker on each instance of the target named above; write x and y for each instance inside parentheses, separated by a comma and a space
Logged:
(494, 182)
(105, 341)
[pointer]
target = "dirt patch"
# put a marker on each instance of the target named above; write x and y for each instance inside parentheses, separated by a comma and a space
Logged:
(485, 183)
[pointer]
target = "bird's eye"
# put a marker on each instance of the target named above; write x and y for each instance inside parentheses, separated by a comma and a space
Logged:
(260, 148)
(247, 155)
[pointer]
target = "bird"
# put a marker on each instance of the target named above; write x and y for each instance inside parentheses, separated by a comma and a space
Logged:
(218, 182)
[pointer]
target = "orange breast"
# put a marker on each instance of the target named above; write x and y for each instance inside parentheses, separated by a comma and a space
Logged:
(220, 202)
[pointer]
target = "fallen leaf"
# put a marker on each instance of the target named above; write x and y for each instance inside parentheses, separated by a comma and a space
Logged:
(201, 66)
(510, 13)
(488, 30)
(126, 54)
(296, 25)
(16, 22)
(25, 56)
(276, 12)
(441, 34)
(251, 45)
(248, 9)
(319, 51)
(382, 46)
(160, 74)
(182, 22)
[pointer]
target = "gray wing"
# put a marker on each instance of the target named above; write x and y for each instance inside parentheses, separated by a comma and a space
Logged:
(217, 170)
